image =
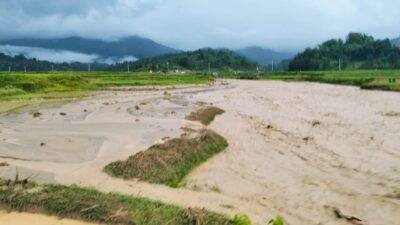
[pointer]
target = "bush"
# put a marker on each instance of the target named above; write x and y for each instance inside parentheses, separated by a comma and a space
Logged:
(241, 220)
(277, 221)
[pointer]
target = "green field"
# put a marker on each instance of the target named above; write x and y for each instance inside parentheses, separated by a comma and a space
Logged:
(388, 80)
(20, 89)
(39, 84)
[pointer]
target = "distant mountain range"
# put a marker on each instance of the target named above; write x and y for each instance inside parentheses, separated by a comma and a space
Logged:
(263, 56)
(86, 50)
(133, 46)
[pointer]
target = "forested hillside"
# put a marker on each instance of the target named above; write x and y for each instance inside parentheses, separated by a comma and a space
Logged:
(202, 59)
(358, 51)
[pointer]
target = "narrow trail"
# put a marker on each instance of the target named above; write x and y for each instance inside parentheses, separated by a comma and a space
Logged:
(300, 150)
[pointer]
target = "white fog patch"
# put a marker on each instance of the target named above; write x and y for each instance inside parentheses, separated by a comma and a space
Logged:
(57, 56)
(60, 56)
(113, 60)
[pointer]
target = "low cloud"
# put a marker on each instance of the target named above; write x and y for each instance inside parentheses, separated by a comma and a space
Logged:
(60, 56)
(113, 60)
(57, 56)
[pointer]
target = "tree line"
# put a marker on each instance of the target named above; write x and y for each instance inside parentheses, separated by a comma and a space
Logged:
(203, 59)
(357, 51)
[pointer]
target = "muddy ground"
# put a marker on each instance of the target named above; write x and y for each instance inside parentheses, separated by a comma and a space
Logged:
(300, 150)
(35, 219)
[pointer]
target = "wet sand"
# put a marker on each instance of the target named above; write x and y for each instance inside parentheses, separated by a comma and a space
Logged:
(300, 150)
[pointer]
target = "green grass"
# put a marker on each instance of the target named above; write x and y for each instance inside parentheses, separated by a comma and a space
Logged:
(94, 206)
(388, 80)
(241, 220)
(277, 221)
(41, 85)
(21, 89)
(205, 114)
(170, 162)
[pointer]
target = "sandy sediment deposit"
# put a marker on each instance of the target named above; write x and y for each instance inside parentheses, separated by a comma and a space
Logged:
(312, 153)
(35, 219)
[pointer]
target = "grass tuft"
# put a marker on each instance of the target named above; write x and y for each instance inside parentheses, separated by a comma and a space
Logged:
(277, 221)
(94, 206)
(170, 162)
(205, 114)
(241, 220)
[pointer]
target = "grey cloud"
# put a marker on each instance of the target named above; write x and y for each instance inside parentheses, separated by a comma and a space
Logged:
(190, 24)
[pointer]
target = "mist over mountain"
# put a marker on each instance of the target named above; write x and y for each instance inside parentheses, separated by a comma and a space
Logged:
(396, 41)
(263, 56)
(125, 48)
(55, 56)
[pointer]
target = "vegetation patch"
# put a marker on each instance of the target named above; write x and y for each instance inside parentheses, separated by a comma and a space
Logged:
(205, 114)
(170, 162)
(387, 80)
(358, 51)
(94, 206)
(17, 85)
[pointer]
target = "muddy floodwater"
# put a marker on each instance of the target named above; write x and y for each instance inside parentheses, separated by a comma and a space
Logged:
(304, 151)
(35, 219)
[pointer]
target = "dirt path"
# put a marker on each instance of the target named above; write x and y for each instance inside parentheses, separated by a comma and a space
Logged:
(300, 150)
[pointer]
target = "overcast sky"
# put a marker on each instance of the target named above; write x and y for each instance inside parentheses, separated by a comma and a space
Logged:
(190, 24)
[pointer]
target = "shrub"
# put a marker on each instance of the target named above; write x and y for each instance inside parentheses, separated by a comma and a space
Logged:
(277, 221)
(241, 220)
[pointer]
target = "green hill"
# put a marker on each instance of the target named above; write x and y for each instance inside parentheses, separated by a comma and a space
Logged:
(202, 59)
(358, 51)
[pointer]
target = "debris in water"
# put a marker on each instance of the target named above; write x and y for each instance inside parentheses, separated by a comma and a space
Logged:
(36, 114)
(352, 219)
(392, 114)
(315, 123)
(307, 139)
(269, 126)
